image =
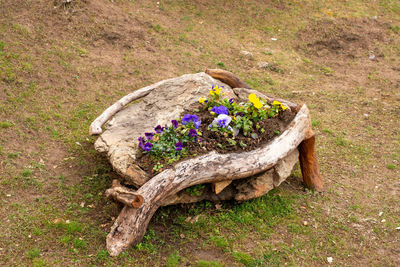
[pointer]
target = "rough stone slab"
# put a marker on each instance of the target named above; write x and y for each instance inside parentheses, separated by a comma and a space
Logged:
(163, 104)
(285, 167)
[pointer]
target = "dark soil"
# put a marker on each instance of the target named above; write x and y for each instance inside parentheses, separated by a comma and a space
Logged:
(349, 38)
(218, 141)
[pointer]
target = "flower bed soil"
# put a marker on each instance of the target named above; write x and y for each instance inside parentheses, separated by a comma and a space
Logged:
(216, 140)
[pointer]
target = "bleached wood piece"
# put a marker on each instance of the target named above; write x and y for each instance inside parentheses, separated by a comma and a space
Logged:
(130, 226)
(95, 127)
(219, 186)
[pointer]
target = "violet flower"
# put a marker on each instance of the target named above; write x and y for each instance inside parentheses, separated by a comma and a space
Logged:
(158, 129)
(221, 121)
(192, 132)
(220, 110)
(175, 123)
(148, 146)
(149, 136)
(188, 118)
(231, 101)
(178, 146)
(197, 124)
(141, 142)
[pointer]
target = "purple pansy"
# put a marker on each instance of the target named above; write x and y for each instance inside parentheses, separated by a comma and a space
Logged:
(231, 101)
(239, 114)
(197, 124)
(175, 123)
(148, 146)
(141, 142)
(221, 121)
(199, 139)
(159, 129)
(178, 146)
(149, 136)
(192, 132)
(188, 118)
(195, 118)
(220, 110)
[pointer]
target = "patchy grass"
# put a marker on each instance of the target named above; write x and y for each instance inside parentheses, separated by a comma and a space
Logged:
(54, 80)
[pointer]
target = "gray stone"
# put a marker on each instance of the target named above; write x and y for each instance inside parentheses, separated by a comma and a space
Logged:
(263, 65)
(246, 54)
(285, 167)
(165, 103)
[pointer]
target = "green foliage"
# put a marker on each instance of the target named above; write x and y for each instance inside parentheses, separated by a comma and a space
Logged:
(221, 64)
(26, 173)
(203, 263)
(173, 259)
(195, 190)
(158, 167)
(168, 142)
(390, 166)
(33, 253)
(5, 124)
(102, 255)
(243, 258)
(220, 242)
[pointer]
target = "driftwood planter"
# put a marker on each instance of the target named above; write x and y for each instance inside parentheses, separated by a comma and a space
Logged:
(239, 176)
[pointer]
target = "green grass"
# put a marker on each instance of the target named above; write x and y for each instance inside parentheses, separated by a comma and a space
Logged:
(55, 80)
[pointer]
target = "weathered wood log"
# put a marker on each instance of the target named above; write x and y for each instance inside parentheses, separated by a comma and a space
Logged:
(124, 195)
(227, 77)
(130, 226)
(309, 164)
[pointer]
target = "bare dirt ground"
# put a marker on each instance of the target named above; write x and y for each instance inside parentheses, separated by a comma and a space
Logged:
(63, 62)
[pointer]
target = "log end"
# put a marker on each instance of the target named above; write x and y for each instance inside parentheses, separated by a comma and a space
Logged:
(137, 202)
(309, 165)
(95, 129)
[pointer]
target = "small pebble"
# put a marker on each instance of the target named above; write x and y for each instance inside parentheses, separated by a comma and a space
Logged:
(380, 213)
(329, 259)
(398, 228)
(274, 39)
(305, 223)
(182, 236)
(383, 220)
(246, 54)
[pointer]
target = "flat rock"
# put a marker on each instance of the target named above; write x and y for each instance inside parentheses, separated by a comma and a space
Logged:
(165, 103)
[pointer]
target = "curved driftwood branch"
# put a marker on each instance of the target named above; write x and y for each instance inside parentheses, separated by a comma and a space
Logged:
(95, 127)
(227, 77)
(130, 226)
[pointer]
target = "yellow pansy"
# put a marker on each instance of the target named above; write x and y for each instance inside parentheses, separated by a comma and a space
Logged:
(257, 104)
(277, 103)
(255, 100)
(202, 100)
(215, 90)
(253, 97)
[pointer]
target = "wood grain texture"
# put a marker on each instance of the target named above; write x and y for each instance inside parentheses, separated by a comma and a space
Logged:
(309, 164)
(227, 77)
